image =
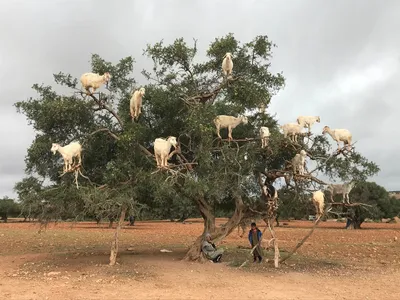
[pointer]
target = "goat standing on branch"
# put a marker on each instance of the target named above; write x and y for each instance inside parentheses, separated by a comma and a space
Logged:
(227, 65)
(318, 199)
(162, 148)
(264, 134)
(230, 122)
(339, 135)
(343, 189)
(308, 121)
(298, 162)
(94, 81)
(68, 152)
(292, 130)
(136, 103)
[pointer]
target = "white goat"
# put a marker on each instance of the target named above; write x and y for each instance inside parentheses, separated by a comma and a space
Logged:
(308, 121)
(292, 130)
(230, 122)
(227, 64)
(94, 81)
(264, 134)
(343, 189)
(68, 152)
(162, 148)
(136, 103)
(339, 135)
(318, 198)
(298, 162)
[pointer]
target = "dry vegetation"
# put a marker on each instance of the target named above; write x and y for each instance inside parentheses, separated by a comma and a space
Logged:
(70, 261)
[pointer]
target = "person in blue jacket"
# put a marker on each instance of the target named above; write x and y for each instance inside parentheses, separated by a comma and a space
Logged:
(255, 237)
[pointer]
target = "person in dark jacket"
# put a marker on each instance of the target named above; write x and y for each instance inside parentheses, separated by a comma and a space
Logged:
(131, 220)
(254, 237)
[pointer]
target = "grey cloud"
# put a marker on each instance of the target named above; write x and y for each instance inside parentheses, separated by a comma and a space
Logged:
(321, 46)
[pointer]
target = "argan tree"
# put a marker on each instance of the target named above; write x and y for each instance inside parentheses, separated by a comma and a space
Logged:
(375, 203)
(183, 96)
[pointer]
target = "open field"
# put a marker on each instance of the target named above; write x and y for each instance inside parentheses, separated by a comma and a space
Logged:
(70, 261)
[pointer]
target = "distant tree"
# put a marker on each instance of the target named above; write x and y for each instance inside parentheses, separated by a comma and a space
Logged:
(8, 208)
(380, 204)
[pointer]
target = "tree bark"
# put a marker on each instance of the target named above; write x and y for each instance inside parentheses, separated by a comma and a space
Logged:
(353, 224)
(114, 243)
(354, 219)
(217, 234)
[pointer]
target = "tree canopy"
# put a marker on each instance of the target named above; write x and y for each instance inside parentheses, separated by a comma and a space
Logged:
(8, 208)
(183, 96)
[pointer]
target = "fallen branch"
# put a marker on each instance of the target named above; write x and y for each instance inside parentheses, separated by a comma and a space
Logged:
(302, 241)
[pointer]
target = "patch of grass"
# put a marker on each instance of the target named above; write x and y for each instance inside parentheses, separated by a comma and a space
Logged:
(236, 263)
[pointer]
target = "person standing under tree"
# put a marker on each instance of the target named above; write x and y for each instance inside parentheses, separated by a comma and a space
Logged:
(255, 237)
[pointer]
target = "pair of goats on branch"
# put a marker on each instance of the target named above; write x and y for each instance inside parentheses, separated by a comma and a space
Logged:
(293, 130)
(94, 81)
(318, 197)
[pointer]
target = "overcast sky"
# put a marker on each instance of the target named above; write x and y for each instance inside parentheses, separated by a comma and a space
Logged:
(340, 59)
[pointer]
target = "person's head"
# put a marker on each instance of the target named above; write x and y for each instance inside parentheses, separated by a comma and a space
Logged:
(207, 237)
(253, 225)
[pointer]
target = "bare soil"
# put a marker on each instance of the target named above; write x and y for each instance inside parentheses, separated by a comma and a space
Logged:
(70, 261)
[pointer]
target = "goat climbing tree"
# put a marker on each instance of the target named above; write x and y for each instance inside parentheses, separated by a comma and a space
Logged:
(183, 96)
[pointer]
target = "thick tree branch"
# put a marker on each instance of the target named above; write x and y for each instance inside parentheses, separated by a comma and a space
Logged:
(203, 98)
(310, 177)
(105, 130)
(120, 183)
(350, 205)
(336, 153)
(102, 105)
(147, 152)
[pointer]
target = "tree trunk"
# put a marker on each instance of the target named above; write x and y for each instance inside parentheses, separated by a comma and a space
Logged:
(194, 252)
(353, 224)
(114, 243)
(217, 234)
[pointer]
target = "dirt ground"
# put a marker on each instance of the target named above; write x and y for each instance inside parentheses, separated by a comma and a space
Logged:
(70, 261)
